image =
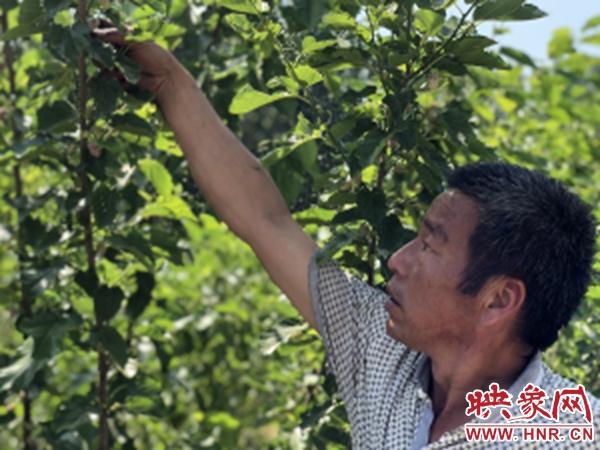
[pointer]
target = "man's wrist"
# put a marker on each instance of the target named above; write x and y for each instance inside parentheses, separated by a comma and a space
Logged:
(178, 85)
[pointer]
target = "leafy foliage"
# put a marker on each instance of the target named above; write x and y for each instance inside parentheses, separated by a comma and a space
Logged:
(357, 108)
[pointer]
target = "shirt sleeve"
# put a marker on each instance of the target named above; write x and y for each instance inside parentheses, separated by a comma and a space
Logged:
(350, 318)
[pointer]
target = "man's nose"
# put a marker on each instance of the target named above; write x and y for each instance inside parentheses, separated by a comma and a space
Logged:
(398, 263)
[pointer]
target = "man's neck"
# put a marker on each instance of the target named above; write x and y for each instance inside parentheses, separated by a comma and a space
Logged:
(454, 374)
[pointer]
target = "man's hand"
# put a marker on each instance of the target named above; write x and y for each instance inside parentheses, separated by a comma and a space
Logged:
(159, 69)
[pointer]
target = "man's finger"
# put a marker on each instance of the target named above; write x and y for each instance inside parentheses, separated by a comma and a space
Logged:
(111, 36)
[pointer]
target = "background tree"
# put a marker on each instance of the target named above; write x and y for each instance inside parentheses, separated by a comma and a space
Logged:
(132, 318)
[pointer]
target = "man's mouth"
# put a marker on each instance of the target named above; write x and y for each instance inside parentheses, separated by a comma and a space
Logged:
(391, 297)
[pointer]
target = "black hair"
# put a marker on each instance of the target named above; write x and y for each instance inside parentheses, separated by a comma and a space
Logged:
(531, 228)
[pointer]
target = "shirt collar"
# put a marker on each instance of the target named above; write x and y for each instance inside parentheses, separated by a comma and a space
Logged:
(423, 372)
(532, 373)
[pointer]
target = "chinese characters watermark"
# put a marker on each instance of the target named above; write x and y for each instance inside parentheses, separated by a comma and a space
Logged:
(535, 421)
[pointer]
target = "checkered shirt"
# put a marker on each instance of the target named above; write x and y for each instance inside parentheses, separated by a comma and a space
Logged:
(382, 382)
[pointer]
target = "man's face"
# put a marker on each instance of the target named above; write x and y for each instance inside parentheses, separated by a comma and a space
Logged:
(429, 312)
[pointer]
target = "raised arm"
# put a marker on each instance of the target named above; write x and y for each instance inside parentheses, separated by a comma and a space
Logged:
(232, 180)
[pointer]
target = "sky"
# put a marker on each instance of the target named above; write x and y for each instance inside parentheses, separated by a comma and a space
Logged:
(533, 36)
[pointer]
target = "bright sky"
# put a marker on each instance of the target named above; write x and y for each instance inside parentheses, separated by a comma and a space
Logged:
(533, 36)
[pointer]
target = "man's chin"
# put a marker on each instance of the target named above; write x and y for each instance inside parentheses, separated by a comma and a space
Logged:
(393, 330)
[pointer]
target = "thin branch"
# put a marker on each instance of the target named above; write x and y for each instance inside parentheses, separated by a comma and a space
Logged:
(374, 42)
(441, 50)
(26, 301)
(373, 236)
(309, 99)
(17, 136)
(103, 363)
(409, 25)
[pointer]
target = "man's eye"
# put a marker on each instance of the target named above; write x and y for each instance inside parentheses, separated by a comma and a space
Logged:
(424, 246)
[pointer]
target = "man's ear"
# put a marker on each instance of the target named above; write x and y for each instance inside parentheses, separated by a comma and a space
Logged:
(503, 300)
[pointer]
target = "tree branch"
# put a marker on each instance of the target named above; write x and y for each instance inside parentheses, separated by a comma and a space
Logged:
(103, 363)
(26, 301)
(440, 51)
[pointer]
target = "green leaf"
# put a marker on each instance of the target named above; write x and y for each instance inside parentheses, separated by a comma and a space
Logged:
(135, 244)
(561, 43)
(21, 31)
(19, 374)
(241, 25)
(159, 6)
(289, 167)
(346, 215)
(81, 35)
(128, 67)
(104, 205)
(7, 5)
(248, 99)
(223, 419)
(525, 12)
(283, 334)
(478, 148)
(102, 52)
(339, 19)
(495, 9)
(366, 149)
(107, 302)
(173, 207)
(470, 45)
(307, 75)
(593, 39)
(132, 123)
(7, 418)
(311, 45)
(392, 234)
(38, 234)
(88, 281)
(408, 134)
(54, 6)
(37, 279)
(334, 434)
(105, 91)
(144, 405)
(591, 23)
(46, 324)
(48, 328)
(518, 56)
(429, 178)
(58, 117)
(158, 175)
(32, 19)
(22, 149)
(60, 42)
(138, 302)
(165, 239)
(243, 6)
(428, 21)
(289, 180)
(114, 344)
(282, 152)
(334, 244)
(471, 50)
(71, 414)
(371, 205)
(31, 12)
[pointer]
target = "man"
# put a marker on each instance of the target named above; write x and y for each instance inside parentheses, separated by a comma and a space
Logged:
(501, 261)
